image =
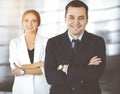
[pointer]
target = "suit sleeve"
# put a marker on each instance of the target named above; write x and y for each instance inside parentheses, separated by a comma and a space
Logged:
(89, 72)
(53, 76)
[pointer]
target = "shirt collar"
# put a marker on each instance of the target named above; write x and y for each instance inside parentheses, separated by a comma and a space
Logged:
(71, 38)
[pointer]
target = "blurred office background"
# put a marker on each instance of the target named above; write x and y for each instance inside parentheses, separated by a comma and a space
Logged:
(104, 20)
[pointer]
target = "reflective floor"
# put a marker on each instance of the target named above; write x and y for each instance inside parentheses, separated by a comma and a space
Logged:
(110, 82)
(6, 78)
(5, 93)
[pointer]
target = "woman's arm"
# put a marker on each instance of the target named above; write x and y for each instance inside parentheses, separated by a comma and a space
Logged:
(33, 65)
(33, 71)
(29, 69)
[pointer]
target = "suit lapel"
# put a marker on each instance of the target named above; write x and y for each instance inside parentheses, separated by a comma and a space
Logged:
(66, 47)
(66, 44)
(84, 40)
(82, 45)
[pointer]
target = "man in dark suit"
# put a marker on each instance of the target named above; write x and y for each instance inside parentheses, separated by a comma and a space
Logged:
(79, 71)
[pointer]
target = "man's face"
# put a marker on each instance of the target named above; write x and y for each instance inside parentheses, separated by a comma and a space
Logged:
(76, 20)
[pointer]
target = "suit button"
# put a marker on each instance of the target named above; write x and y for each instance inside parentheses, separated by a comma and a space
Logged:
(82, 81)
(73, 89)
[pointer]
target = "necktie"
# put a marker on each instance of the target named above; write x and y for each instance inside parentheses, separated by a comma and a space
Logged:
(75, 45)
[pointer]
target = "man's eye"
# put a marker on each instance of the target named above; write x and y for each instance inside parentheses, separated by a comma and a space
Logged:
(71, 17)
(81, 18)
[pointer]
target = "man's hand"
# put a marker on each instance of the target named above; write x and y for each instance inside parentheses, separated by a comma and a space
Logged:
(63, 68)
(95, 61)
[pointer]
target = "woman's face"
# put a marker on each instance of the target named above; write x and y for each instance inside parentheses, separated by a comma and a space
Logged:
(30, 23)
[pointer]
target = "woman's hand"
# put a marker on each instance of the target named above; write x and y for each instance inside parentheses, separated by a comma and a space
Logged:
(17, 70)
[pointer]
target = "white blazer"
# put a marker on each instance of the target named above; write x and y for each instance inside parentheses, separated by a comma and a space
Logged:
(28, 84)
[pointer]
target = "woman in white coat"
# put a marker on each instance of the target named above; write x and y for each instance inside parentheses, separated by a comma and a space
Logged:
(27, 58)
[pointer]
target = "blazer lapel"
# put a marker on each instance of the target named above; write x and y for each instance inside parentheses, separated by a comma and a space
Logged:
(38, 50)
(23, 51)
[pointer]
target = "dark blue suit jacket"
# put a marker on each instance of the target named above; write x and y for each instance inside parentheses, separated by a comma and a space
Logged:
(81, 78)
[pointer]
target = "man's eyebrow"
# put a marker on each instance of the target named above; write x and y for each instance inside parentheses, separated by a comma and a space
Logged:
(82, 16)
(79, 16)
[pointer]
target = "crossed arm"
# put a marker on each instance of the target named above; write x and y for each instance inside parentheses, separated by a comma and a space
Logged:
(94, 61)
(30, 69)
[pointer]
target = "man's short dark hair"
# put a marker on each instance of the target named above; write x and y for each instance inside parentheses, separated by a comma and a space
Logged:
(76, 3)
